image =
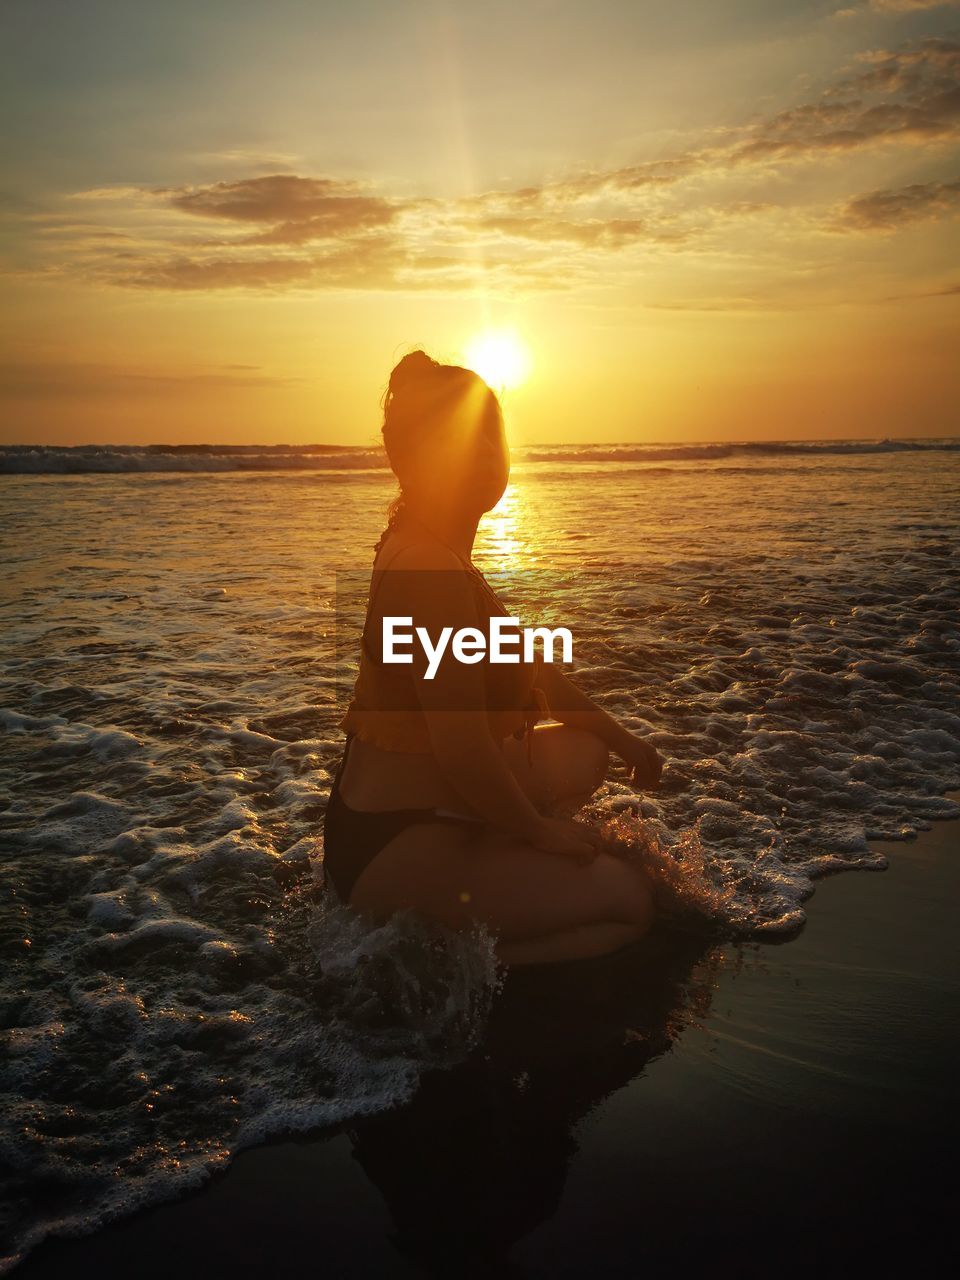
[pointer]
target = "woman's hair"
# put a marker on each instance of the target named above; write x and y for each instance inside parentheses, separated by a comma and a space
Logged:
(421, 398)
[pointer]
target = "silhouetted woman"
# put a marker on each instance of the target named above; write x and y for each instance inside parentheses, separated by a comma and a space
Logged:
(441, 797)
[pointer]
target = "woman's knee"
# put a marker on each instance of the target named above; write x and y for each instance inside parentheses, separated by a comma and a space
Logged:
(523, 891)
(625, 891)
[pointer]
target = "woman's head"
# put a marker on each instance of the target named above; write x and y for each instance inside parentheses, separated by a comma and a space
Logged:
(443, 433)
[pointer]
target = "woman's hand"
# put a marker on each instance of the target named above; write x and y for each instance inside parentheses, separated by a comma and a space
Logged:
(564, 836)
(641, 759)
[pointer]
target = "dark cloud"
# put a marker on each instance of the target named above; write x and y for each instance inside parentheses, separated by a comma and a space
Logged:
(947, 291)
(888, 209)
(294, 209)
(588, 184)
(635, 177)
(907, 6)
(909, 95)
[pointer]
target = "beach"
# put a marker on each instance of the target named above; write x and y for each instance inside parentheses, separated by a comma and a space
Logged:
(209, 1067)
(806, 1118)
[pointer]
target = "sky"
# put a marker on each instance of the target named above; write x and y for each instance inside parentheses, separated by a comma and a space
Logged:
(226, 220)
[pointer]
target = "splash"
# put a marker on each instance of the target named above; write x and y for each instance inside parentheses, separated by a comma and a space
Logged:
(685, 881)
(703, 889)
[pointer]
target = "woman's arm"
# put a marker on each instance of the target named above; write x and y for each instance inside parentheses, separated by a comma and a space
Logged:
(428, 585)
(571, 706)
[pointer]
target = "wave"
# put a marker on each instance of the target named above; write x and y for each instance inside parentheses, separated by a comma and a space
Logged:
(732, 449)
(109, 459)
(27, 459)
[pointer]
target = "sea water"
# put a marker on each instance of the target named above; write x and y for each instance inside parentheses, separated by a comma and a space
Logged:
(781, 620)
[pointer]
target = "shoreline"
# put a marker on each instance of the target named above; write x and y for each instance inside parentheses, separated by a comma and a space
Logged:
(752, 1107)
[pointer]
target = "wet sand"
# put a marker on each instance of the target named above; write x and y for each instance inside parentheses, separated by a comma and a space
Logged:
(753, 1111)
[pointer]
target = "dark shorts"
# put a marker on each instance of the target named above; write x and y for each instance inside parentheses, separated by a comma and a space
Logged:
(352, 838)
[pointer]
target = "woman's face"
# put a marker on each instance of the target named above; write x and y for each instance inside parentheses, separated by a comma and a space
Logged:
(492, 459)
(469, 465)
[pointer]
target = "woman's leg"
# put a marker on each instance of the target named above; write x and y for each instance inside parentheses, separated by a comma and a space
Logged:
(451, 875)
(542, 906)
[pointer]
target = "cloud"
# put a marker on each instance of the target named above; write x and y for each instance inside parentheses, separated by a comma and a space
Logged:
(369, 264)
(610, 233)
(885, 210)
(296, 209)
(894, 6)
(907, 6)
(592, 184)
(947, 291)
(70, 380)
(358, 260)
(285, 231)
(183, 272)
(904, 96)
(893, 96)
(374, 262)
(119, 192)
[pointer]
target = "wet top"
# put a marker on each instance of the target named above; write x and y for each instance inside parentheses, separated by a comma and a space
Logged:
(385, 709)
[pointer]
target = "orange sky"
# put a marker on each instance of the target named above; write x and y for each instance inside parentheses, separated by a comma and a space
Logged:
(226, 222)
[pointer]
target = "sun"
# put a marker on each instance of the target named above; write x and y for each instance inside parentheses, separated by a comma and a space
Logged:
(500, 357)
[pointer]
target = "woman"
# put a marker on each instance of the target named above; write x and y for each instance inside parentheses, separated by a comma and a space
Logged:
(441, 797)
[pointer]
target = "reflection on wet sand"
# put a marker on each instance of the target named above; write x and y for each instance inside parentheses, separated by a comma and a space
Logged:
(479, 1157)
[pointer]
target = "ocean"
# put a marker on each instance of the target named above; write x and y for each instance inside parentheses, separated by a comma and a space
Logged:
(780, 617)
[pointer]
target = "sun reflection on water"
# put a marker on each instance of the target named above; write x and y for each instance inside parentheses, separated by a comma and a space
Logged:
(506, 536)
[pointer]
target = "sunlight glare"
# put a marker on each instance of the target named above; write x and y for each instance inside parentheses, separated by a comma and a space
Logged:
(500, 357)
